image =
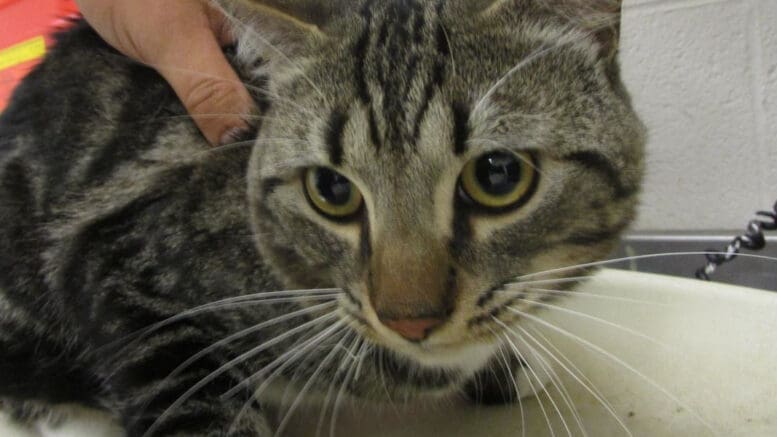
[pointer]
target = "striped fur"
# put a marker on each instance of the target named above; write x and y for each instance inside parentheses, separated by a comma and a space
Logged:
(115, 215)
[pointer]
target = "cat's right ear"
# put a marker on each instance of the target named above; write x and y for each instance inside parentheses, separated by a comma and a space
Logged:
(600, 18)
(278, 30)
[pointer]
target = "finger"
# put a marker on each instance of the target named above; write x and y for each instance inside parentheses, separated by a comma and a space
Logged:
(195, 66)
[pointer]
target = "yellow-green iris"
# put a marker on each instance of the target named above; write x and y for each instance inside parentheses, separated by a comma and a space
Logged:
(331, 193)
(500, 180)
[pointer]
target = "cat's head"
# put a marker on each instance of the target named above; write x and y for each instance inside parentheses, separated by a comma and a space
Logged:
(422, 154)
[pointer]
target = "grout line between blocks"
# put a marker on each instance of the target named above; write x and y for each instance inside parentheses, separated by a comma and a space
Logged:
(758, 74)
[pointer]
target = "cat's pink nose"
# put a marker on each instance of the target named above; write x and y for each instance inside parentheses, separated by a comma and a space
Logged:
(413, 329)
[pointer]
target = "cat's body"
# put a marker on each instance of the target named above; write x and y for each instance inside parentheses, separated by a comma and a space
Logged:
(116, 215)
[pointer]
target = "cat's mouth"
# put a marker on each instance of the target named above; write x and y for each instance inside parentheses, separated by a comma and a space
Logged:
(466, 357)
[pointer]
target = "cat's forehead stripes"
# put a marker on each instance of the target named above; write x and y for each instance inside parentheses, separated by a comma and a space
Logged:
(402, 60)
(334, 136)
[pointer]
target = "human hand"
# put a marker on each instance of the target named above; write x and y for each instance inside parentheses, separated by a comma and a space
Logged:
(182, 40)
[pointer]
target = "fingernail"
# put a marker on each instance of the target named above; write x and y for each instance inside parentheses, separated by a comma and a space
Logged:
(234, 135)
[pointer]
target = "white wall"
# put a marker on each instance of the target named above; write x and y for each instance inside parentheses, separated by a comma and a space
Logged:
(703, 74)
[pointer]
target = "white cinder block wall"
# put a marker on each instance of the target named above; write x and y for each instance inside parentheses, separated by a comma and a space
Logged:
(703, 74)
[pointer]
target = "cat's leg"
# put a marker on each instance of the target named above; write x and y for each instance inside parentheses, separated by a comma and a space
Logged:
(506, 379)
(39, 368)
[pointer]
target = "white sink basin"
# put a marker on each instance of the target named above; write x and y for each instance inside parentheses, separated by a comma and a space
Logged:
(711, 365)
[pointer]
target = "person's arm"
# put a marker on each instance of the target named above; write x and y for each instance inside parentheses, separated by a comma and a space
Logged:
(182, 40)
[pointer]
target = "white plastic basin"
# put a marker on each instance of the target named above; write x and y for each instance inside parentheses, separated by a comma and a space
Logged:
(709, 368)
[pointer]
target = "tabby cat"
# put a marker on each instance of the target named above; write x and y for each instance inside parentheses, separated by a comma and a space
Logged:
(413, 161)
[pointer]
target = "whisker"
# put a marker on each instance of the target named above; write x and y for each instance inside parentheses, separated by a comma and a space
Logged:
(304, 348)
(246, 332)
(230, 365)
(224, 148)
(347, 357)
(311, 380)
(592, 318)
(579, 379)
(122, 350)
(339, 398)
(636, 258)
(550, 281)
(590, 295)
(531, 384)
(617, 360)
(228, 303)
(540, 52)
(579, 373)
(256, 394)
(547, 368)
(546, 390)
(506, 364)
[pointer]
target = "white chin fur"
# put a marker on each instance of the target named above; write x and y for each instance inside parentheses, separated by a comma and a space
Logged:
(465, 359)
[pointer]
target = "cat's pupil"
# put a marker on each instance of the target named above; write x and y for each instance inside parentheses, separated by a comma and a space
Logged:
(335, 188)
(498, 173)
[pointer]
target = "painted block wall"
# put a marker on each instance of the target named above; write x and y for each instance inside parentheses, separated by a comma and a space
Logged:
(703, 75)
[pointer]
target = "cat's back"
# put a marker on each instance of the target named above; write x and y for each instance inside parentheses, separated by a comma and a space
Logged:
(85, 111)
(99, 164)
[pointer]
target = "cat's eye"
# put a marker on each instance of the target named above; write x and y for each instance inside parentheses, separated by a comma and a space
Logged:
(332, 194)
(499, 180)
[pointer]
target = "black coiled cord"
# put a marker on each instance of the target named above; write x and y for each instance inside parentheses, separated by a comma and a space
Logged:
(753, 239)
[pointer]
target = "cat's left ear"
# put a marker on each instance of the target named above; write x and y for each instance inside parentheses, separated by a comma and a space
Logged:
(600, 18)
(279, 30)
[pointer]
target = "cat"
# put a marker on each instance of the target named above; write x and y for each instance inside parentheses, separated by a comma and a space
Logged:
(412, 162)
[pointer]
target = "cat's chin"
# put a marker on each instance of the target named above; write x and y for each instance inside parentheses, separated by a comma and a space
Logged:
(463, 358)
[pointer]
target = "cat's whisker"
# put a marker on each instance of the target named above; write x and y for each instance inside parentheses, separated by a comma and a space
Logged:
(272, 297)
(277, 98)
(450, 47)
(311, 380)
(287, 358)
(551, 281)
(206, 116)
(382, 373)
(506, 363)
(362, 357)
(118, 354)
(347, 380)
(231, 364)
(277, 372)
(579, 379)
(347, 358)
(611, 356)
(592, 318)
(242, 334)
(634, 258)
(534, 390)
(527, 60)
(572, 293)
(577, 375)
(224, 148)
(554, 378)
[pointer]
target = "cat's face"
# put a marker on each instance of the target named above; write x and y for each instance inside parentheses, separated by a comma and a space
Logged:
(421, 155)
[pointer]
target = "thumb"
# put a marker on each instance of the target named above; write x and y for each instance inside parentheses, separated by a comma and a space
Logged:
(209, 88)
